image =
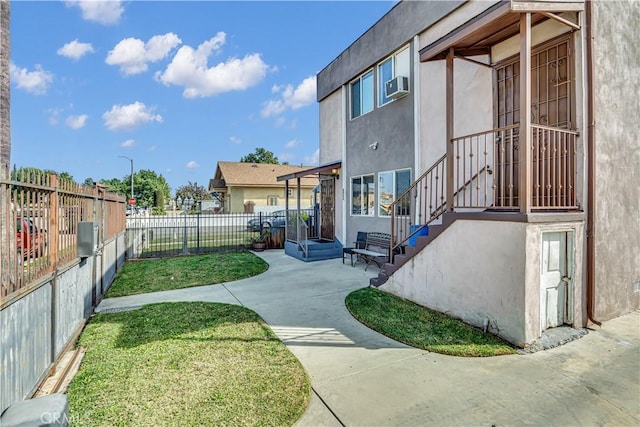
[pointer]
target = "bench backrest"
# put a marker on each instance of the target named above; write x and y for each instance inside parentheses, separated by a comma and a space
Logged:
(379, 240)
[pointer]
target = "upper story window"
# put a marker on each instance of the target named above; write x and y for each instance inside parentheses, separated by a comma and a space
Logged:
(396, 65)
(272, 201)
(391, 184)
(362, 95)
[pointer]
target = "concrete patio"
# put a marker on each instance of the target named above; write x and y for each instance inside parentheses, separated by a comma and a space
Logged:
(361, 378)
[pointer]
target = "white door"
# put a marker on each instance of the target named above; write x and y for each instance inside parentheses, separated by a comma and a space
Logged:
(554, 281)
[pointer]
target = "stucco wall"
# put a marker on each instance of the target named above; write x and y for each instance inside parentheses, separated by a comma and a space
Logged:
(239, 196)
(478, 270)
(473, 104)
(617, 144)
(540, 33)
(474, 270)
(331, 128)
(397, 27)
(391, 126)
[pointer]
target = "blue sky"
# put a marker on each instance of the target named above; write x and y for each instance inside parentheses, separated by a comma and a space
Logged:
(176, 86)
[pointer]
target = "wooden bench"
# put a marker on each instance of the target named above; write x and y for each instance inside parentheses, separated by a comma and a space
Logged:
(376, 249)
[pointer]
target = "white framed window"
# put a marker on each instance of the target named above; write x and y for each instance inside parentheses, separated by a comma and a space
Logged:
(361, 91)
(391, 184)
(363, 195)
(397, 64)
(272, 201)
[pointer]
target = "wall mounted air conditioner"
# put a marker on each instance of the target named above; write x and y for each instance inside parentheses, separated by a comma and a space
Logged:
(397, 87)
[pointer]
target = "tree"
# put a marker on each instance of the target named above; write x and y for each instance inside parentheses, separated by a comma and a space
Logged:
(35, 175)
(114, 185)
(149, 188)
(89, 182)
(193, 191)
(145, 185)
(261, 155)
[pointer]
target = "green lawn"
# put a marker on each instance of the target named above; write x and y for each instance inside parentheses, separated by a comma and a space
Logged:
(420, 327)
(139, 277)
(186, 364)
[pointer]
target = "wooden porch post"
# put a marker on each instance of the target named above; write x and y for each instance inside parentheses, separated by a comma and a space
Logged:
(524, 190)
(450, 118)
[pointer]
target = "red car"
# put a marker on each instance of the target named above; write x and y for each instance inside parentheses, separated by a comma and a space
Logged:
(30, 240)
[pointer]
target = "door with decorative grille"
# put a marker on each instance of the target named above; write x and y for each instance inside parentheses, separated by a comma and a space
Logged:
(327, 208)
(551, 105)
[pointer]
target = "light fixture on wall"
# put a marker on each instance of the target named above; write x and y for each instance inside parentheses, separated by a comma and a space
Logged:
(374, 145)
(335, 172)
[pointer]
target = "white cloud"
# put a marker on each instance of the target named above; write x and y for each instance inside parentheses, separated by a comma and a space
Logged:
(54, 113)
(291, 99)
(128, 143)
(168, 170)
(75, 49)
(133, 55)
(76, 122)
(280, 121)
(36, 82)
(190, 69)
(153, 148)
(192, 165)
(312, 160)
(235, 140)
(128, 117)
(292, 144)
(106, 12)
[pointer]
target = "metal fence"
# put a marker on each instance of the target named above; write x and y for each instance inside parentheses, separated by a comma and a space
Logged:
(40, 221)
(182, 234)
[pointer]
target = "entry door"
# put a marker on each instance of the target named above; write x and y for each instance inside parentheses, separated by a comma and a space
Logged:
(327, 208)
(555, 285)
(551, 105)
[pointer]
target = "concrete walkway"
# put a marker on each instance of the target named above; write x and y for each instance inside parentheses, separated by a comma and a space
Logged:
(361, 378)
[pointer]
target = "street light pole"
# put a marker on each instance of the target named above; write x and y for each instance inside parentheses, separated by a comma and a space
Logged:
(131, 160)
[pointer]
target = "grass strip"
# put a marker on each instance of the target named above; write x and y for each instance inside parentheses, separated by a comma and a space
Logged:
(421, 327)
(139, 277)
(186, 364)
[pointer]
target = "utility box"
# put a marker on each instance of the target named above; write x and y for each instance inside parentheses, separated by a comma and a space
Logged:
(87, 238)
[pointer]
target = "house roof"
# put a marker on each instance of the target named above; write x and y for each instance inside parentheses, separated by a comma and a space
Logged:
(239, 174)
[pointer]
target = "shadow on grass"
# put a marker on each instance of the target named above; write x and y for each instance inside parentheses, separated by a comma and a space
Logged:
(185, 321)
(186, 363)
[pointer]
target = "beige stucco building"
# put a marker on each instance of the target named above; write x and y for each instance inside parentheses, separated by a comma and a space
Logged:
(253, 187)
(514, 137)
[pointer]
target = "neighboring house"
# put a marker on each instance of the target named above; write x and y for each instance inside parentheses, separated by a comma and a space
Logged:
(513, 128)
(253, 187)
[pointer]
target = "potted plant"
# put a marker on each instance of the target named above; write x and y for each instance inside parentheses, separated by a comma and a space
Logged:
(259, 241)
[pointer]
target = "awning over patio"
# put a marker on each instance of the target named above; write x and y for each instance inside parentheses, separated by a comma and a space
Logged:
(498, 23)
(329, 168)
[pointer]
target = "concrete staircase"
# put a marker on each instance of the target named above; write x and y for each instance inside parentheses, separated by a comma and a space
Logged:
(318, 250)
(411, 250)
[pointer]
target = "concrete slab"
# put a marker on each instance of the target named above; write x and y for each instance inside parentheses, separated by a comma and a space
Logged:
(360, 377)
